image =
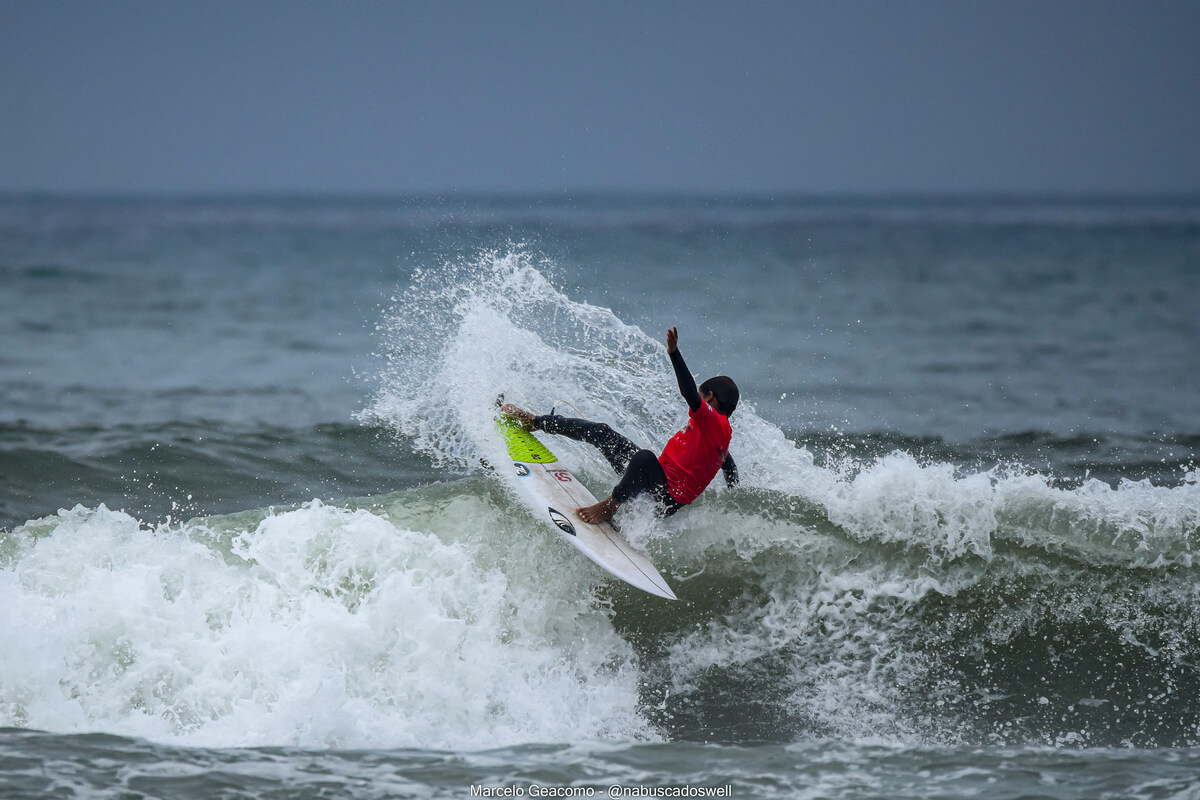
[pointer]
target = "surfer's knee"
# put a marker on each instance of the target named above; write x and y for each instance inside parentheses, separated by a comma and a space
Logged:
(644, 459)
(643, 474)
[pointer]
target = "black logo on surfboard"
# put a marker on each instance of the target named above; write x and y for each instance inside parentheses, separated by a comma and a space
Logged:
(562, 522)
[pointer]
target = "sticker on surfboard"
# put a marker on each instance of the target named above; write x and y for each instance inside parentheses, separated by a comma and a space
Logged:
(562, 522)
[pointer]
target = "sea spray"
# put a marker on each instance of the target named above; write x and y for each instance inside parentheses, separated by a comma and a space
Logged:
(473, 330)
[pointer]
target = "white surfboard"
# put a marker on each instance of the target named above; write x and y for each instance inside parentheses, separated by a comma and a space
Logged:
(553, 494)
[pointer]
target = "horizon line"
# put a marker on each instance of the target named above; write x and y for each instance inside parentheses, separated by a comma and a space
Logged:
(603, 193)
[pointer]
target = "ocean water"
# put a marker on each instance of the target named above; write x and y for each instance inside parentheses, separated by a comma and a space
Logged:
(248, 546)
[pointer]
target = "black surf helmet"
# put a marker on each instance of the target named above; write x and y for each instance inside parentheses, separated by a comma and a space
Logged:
(725, 390)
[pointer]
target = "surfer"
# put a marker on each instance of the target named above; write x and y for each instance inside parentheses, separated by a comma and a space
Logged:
(688, 462)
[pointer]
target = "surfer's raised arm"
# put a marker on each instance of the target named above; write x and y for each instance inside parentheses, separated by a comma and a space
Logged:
(687, 384)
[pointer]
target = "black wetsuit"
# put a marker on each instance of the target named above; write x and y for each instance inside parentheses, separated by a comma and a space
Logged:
(641, 472)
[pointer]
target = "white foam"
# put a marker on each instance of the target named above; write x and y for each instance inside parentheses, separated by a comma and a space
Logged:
(320, 626)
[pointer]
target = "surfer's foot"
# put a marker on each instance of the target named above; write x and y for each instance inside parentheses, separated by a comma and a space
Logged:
(519, 415)
(601, 512)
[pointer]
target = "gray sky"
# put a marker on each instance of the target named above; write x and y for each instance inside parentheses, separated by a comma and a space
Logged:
(757, 97)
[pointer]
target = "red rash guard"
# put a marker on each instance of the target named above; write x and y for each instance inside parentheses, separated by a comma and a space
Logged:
(693, 456)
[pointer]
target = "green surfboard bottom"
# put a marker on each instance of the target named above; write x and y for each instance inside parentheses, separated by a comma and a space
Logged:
(523, 445)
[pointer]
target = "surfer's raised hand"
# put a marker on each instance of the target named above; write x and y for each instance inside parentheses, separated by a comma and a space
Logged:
(672, 339)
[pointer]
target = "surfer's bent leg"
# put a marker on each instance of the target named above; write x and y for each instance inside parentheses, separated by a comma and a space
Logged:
(645, 475)
(615, 448)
